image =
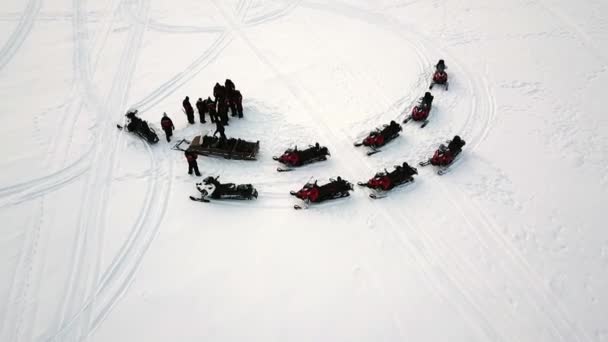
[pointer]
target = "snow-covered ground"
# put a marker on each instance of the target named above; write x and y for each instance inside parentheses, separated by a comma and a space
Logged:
(99, 240)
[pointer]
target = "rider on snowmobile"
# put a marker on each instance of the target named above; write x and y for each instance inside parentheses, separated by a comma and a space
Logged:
(455, 145)
(427, 100)
(440, 66)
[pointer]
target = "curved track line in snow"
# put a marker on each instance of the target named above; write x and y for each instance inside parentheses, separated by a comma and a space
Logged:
(345, 148)
(91, 221)
(477, 126)
(122, 270)
(273, 15)
(20, 33)
(176, 82)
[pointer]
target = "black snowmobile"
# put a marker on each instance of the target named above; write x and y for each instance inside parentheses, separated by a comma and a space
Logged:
(293, 157)
(140, 127)
(212, 188)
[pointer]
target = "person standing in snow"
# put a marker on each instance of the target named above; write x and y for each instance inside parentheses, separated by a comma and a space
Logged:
(222, 110)
(211, 109)
(201, 106)
(167, 124)
(192, 164)
(219, 93)
(236, 104)
(188, 109)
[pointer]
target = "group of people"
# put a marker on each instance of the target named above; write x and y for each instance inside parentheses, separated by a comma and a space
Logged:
(226, 98)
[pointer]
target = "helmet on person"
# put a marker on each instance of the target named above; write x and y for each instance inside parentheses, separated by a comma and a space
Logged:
(164, 114)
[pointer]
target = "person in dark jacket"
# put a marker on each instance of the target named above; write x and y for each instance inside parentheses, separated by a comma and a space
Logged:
(427, 100)
(167, 126)
(201, 106)
(220, 129)
(211, 109)
(455, 145)
(229, 85)
(222, 110)
(219, 92)
(236, 104)
(188, 109)
(440, 66)
(192, 164)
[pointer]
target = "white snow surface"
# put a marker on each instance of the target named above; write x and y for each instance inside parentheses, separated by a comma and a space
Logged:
(100, 242)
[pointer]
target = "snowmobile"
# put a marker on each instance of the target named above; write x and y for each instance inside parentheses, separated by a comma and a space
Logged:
(380, 136)
(440, 77)
(212, 188)
(313, 193)
(293, 157)
(385, 181)
(445, 156)
(140, 127)
(420, 112)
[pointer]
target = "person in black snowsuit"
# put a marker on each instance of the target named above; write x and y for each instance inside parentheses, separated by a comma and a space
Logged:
(167, 125)
(440, 66)
(236, 104)
(220, 129)
(135, 123)
(222, 110)
(427, 100)
(188, 109)
(219, 92)
(192, 164)
(455, 146)
(201, 106)
(211, 109)
(229, 85)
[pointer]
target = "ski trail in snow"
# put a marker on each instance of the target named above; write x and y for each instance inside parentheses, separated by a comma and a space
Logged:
(273, 15)
(14, 319)
(91, 221)
(16, 39)
(61, 141)
(118, 276)
(344, 149)
(477, 126)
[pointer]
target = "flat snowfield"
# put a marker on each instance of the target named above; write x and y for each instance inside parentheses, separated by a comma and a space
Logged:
(99, 240)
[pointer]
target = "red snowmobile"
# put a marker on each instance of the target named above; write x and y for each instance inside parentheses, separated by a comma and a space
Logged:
(293, 157)
(421, 111)
(385, 181)
(440, 76)
(313, 193)
(445, 156)
(380, 136)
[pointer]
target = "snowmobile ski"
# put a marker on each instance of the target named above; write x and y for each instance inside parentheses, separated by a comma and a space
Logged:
(424, 123)
(285, 169)
(362, 183)
(199, 199)
(425, 163)
(275, 158)
(372, 152)
(357, 144)
(377, 196)
(407, 119)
